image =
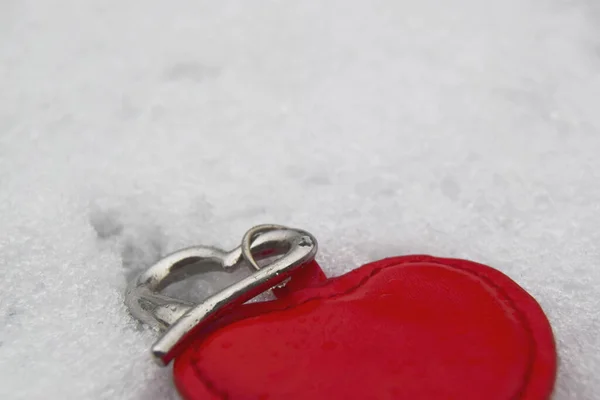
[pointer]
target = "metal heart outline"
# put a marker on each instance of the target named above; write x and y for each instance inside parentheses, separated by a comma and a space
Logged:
(178, 318)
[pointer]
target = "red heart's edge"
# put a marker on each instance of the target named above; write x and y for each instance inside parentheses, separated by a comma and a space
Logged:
(310, 284)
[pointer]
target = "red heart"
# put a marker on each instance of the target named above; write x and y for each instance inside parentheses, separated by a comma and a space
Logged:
(413, 327)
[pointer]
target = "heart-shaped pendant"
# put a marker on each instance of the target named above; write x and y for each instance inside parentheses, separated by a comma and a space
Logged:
(412, 327)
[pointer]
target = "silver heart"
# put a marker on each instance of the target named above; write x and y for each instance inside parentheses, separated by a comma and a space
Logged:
(145, 302)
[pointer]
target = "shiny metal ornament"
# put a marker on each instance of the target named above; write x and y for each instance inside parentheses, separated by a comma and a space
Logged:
(292, 248)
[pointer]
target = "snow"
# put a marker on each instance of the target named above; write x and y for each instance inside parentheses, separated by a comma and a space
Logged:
(129, 129)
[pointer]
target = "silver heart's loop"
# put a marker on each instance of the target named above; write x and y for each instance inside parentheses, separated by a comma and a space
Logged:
(254, 232)
(178, 318)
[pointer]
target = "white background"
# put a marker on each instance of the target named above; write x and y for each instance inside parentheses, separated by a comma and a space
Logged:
(129, 129)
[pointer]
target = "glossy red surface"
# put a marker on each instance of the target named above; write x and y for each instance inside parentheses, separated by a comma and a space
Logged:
(413, 327)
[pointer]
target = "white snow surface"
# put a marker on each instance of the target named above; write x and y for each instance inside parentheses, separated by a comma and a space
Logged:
(129, 129)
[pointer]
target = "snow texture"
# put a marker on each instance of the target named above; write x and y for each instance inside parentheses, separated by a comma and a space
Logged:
(129, 129)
